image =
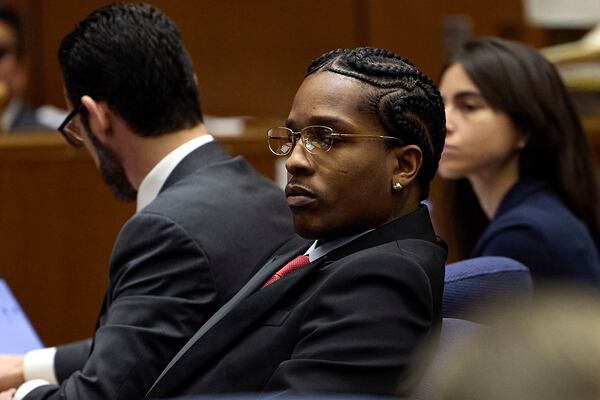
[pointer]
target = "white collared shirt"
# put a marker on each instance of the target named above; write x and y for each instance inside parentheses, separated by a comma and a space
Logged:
(38, 366)
(315, 252)
(153, 182)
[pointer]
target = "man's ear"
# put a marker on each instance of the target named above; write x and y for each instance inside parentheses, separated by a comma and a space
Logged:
(99, 118)
(407, 162)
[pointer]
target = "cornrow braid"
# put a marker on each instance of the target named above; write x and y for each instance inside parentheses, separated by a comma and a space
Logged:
(404, 113)
(323, 59)
(406, 101)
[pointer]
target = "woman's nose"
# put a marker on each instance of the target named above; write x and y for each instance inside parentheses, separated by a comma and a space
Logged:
(450, 120)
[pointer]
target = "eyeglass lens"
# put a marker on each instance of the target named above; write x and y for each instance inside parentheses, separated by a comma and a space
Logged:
(315, 139)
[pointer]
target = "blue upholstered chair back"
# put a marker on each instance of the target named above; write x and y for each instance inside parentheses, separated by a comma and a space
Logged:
(482, 280)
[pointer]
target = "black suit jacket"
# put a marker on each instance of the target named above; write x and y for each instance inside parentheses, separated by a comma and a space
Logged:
(347, 322)
(173, 265)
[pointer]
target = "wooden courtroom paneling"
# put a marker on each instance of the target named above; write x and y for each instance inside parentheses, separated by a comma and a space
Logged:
(591, 124)
(58, 223)
(249, 55)
(414, 29)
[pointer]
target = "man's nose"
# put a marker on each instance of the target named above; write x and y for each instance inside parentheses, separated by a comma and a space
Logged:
(298, 160)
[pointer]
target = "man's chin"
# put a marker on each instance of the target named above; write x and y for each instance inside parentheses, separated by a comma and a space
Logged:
(303, 229)
(307, 227)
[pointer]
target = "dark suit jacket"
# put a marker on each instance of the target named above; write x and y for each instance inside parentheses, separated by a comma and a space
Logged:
(347, 322)
(533, 226)
(173, 265)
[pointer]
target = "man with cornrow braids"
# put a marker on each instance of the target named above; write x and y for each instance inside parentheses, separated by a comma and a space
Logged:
(343, 311)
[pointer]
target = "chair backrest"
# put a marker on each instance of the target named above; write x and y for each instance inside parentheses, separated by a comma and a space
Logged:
(482, 280)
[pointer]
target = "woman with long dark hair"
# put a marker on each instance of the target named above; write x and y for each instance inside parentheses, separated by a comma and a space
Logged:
(524, 184)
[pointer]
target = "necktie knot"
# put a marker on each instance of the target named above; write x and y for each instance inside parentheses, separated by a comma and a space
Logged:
(291, 266)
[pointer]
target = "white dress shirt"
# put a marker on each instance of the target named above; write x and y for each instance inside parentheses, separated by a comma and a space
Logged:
(38, 365)
(315, 252)
(156, 178)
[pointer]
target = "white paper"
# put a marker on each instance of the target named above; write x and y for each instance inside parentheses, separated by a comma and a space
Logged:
(17, 336)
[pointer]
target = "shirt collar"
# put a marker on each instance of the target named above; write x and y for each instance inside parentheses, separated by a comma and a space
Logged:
(153, 182)
(315, 252)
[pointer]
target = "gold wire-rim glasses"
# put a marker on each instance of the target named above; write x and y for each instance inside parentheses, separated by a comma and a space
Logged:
(315, 138)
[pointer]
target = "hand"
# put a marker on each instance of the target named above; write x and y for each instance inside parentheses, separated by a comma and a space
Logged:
(8, 394)
(11, 371)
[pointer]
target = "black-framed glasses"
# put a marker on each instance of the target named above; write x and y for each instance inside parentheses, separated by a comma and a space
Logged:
(315, 138)
(70, 130)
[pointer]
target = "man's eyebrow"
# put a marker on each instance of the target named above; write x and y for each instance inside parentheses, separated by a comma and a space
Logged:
(329, 121)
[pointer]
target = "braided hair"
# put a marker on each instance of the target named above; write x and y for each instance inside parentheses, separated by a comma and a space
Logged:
(406, 102)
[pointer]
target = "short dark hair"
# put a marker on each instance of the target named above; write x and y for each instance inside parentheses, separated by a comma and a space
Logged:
(406, 102)
(11, 17)
(516, 79)
(131, 55)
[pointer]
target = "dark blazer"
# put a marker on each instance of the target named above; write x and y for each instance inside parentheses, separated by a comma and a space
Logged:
(347, 322)
(533, 226)
(173, 265)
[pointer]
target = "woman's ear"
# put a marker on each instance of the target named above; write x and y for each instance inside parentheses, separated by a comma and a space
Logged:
(99, 118)
(407, 162)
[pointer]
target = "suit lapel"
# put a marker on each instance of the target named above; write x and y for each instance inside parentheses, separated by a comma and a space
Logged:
(248, 305)
(253, 309)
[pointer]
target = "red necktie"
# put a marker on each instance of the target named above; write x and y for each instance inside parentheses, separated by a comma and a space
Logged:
(293, 265)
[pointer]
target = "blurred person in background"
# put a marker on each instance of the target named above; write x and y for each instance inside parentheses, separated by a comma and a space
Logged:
(14, 114)
(545, 350)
